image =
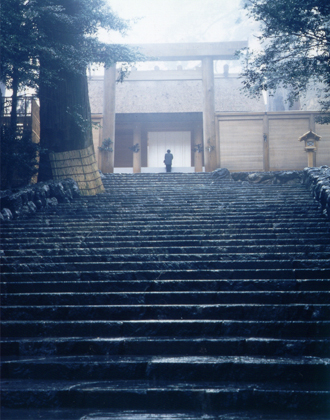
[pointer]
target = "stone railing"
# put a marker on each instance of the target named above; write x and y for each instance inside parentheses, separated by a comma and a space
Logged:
(275, 177)
(317, 180)
(36, 197)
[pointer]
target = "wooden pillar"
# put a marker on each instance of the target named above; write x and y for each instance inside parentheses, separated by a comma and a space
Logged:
(109, 118)
(217, 142)
(312, 159)
(137, 155)
(265, 142)
(198, 151)
(210, 147)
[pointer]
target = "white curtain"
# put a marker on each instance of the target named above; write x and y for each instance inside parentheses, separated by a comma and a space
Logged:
(177, 141)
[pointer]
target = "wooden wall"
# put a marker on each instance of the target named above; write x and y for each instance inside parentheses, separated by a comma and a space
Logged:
(248, 141)
(269, 141)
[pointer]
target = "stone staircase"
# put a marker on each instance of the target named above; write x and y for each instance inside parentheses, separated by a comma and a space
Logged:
(170, 296)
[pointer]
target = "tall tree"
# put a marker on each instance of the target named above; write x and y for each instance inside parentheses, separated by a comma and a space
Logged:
(18, 63)
(64, 103)
(61, 40)
(295, 48)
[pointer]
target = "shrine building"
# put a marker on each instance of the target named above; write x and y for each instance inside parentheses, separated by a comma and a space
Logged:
(201, 115)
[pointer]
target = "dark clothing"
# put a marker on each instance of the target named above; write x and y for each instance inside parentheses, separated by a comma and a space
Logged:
(168, 161)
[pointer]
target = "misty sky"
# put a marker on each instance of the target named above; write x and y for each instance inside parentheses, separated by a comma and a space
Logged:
(183, 20)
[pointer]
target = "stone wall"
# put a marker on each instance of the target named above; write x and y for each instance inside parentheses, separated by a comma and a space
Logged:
(317, 180)
(37, 197)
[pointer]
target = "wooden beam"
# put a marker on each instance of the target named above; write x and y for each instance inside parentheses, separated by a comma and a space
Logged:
(190, 51)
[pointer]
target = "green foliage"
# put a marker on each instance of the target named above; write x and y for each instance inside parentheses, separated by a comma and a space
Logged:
(18, 157)
(18, 39)
(47, 45)
(39, 38)
(106, 145)
(295, 40)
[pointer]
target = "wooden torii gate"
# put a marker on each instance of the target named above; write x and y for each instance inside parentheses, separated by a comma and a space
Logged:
(206, 53)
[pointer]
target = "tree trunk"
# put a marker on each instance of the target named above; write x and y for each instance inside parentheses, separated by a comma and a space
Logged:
(13, 112)
(65, 118)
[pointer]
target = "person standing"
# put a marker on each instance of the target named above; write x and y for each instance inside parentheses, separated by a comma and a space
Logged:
(168, 160)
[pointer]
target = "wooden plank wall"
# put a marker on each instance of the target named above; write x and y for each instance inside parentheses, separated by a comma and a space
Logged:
(269, 141)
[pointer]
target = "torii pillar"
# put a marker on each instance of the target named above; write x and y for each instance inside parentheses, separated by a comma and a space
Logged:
(198, 147)
(137, 153)
(209, 134)
(109, 118)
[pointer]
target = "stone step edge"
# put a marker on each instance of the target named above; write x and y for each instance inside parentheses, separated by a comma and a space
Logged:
(171, 396)
(168, 242)
(127, 345)
(216, 256)
(294, 284)
(208, 339)
(89, 414)
(158, 274)
(23, 385)
(169, 275)
(163, 360)
(12, 246)
(180, 292)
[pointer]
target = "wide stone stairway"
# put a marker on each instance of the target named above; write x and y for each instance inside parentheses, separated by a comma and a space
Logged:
(170, 296)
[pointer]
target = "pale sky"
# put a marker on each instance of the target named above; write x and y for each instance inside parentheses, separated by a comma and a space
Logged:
(182, 20)
(162, 21)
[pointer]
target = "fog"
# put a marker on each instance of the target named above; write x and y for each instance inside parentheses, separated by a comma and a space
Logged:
(159, 21)
(183, 20)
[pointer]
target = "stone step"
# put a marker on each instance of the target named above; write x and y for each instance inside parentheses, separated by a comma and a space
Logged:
(208, 200)
(293, 250)
(202, 241)
(150, 395)
(200, 346)
(168, 293)
(156, 310)
(169, 274)
(209, 195)
(162, 228)
(215, 226)
(181, 211)
(256, 259)
(202, 206)
(86, 414)
(168, 327)
(174, 234)
(217, 205)
(108, 222)
(194, 192)
(181, 214)
(125, 286)
(310, 370)
(267, 266)
(170, 297)
(233, 189)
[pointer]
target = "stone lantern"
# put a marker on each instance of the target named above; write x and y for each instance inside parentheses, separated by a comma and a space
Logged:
(310, 138)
